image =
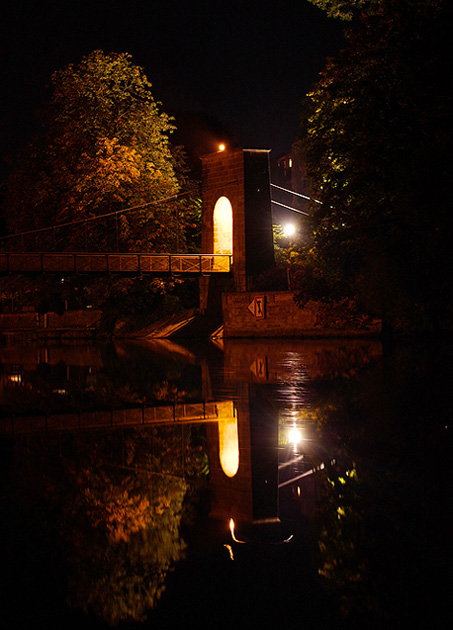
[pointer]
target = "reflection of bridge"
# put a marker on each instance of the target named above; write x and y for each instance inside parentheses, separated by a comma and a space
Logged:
(108, 263)
(115, 418)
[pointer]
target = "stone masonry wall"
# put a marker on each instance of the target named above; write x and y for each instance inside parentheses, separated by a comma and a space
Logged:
(223, 175)
(69, 319)
(283, 318)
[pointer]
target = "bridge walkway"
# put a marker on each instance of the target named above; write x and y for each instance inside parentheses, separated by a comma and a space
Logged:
(126, 264)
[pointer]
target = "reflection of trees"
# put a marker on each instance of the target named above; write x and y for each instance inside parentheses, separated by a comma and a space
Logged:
(381, 530)
(127, 539)
(118, 501)
(150, 376)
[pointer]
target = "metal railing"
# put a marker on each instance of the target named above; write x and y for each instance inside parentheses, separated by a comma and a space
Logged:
(106, 263)
(140, 415)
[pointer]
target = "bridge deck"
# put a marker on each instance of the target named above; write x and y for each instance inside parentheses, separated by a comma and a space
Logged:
(131, 264)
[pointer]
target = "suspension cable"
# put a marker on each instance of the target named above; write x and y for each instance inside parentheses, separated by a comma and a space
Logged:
(295, 193)
(290, 208)
(96, 218)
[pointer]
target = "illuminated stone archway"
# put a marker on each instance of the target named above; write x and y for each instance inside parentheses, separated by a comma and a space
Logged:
(223, 226)
(236, 220)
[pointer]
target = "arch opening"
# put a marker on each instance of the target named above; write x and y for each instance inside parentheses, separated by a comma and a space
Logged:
(223, 226)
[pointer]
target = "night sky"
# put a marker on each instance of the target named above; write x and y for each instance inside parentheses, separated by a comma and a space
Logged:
(238, 69)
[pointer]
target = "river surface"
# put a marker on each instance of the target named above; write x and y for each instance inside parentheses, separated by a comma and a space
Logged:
(236, 484)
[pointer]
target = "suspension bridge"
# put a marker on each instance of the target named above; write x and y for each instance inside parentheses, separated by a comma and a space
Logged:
(236, 223)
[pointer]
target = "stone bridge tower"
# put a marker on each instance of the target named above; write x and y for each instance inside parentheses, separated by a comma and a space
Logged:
(237, 218)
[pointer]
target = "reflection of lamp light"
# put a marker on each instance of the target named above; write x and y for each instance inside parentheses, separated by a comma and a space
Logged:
(294, 436)
(232, 526)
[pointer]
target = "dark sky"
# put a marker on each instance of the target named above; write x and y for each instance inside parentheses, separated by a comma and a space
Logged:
(244, 66)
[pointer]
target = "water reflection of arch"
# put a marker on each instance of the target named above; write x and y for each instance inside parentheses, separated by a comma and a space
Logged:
(231, 495)
(249, 495)
(252, 495)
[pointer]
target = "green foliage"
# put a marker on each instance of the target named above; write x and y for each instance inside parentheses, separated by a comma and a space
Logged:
(312, 282)
(378, 514)
(287, 250)
(375, 138)
(342, 9)
(348, 9)
(301, 269)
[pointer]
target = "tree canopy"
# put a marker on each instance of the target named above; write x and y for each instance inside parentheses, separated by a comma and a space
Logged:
(376, 136)
(348, 9)
(104, 150)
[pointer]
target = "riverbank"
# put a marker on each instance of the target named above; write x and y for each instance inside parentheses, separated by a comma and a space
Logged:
(271, 314)
(31, 326)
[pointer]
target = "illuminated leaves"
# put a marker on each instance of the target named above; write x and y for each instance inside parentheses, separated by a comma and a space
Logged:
(343, 9)
(120, 575)
(122, 530)
(105, 148)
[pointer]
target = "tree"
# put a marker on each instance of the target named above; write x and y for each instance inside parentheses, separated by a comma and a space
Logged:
(348, 9)
(376, 138)
(104, 150)
(103, 176)
(343, 9)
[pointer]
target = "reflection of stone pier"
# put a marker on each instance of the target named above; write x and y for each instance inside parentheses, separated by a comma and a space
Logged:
(255, 374)
(231, 496)
(292, 360)
(250, 494)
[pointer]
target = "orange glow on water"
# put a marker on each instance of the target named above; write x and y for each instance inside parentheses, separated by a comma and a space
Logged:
(228, 442)
(232, 526)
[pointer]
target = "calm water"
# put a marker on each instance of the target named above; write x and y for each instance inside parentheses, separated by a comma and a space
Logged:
(243, 484)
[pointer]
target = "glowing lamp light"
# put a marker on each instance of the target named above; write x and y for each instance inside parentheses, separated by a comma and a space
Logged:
(289, 230)
(222, 147)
